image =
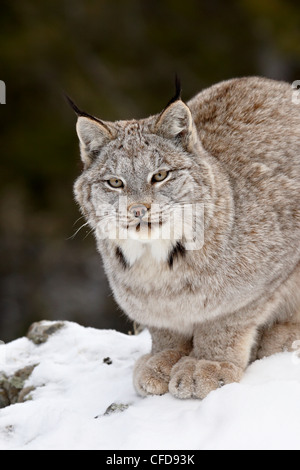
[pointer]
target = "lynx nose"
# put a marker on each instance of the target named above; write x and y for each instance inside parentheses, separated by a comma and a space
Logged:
(139, 210)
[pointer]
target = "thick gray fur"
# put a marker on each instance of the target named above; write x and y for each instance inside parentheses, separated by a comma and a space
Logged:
(235, 148)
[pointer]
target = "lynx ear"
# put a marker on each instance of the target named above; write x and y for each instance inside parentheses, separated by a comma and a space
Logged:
(93, 135)
(176, 123)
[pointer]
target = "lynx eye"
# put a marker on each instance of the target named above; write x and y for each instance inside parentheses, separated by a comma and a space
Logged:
(160, 176)
(116, 183)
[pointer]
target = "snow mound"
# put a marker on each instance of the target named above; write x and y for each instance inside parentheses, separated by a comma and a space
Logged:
(82, 397)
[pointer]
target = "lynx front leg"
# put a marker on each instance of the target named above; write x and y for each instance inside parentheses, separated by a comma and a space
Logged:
(220, 355)
(151, 374)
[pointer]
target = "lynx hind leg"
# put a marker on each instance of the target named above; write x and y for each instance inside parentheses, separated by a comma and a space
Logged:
(279, 337)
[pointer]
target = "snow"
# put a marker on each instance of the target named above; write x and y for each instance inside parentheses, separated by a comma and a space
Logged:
(74, 387)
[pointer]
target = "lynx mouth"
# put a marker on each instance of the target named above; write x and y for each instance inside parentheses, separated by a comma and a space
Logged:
(149, 225)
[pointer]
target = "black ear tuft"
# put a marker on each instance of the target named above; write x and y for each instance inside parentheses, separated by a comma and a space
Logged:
(73, 105)
(178, 90)
(79, 112)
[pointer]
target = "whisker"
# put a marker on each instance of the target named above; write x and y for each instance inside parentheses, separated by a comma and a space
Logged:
(78, 230)
(82, 217)
(88, 233)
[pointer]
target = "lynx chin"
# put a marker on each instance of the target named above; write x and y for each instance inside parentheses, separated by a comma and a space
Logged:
(234, 151)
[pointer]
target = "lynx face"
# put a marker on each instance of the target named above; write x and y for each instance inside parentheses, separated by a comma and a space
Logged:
(138, 182)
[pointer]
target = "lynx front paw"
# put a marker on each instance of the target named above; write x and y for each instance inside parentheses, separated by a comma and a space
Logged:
(151, 374)
(193, 378)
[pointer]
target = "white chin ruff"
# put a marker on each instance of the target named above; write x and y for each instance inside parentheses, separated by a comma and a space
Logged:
(137, 248)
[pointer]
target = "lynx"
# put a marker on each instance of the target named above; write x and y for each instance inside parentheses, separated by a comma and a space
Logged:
(234, 151)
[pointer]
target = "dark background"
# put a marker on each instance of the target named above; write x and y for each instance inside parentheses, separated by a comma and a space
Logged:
(117, 60)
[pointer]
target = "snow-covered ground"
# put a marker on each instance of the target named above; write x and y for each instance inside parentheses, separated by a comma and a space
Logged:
(81, 372)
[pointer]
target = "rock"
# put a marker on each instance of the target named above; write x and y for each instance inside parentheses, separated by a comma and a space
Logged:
(4, 400)
(39, 332)
(116, 408)
(12, 388)
(24, 394)
(107, 360)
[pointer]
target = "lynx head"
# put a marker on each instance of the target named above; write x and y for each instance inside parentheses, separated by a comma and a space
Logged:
(138, 174)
